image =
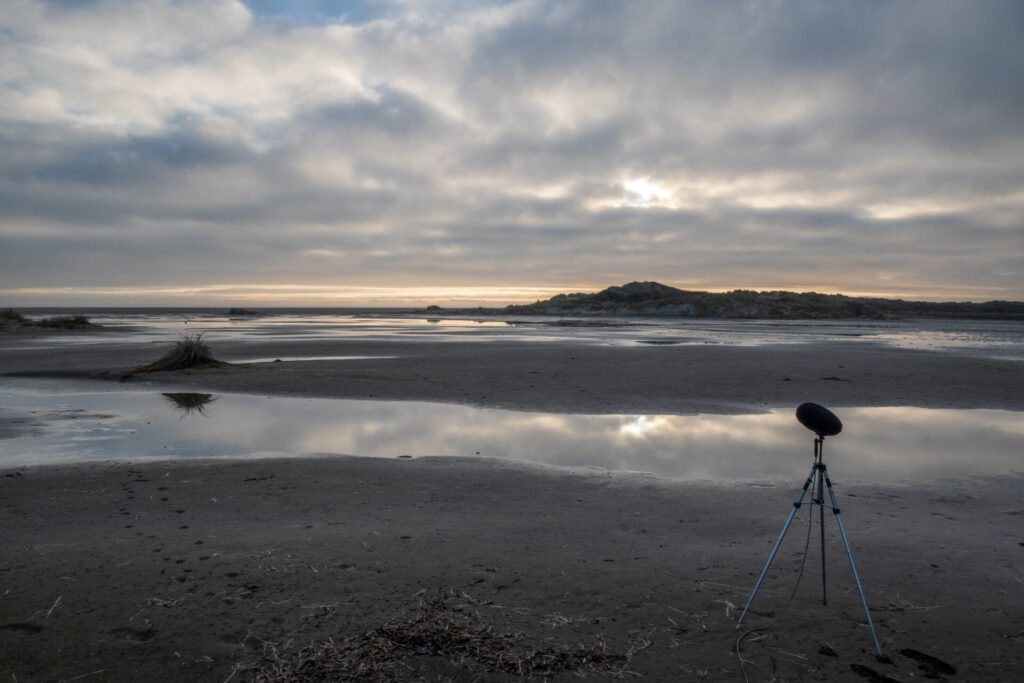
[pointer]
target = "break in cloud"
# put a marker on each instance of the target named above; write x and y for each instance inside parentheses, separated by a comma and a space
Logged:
(199, 151)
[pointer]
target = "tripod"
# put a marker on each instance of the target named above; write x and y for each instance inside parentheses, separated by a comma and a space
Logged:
(819, 478)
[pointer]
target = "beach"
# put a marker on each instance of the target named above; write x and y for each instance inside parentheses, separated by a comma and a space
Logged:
(564, 377)
(224, 569)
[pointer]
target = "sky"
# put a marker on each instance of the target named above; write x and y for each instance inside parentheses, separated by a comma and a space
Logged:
(391, 152)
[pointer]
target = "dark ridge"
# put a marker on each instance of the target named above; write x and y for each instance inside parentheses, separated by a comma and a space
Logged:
(656, 299)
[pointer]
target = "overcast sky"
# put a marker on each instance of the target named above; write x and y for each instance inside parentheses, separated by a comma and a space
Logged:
(331, 153)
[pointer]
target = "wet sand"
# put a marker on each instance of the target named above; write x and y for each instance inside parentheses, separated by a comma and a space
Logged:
(211, 570)
(570, 378)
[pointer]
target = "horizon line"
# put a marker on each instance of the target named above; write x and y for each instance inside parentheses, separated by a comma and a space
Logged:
(368, 296)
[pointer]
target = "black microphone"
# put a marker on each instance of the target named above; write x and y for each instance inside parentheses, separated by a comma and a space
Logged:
(818, 419)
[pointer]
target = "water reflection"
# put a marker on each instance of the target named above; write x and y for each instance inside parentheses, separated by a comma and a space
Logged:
(876, 443)
(188, 403)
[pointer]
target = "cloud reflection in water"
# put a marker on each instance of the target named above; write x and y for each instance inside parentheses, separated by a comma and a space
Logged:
(876, 443)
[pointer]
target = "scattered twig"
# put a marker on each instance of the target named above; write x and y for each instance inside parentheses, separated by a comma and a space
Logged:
(901, 604)
(729, 607)
(792, 654)
(160, 602)
(78, 678)
(557, 619)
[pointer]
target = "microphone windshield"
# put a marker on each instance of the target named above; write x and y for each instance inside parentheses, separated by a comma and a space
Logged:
(818, 419)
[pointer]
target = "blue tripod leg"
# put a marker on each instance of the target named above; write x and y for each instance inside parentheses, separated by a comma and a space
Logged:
(839, 519)
(785, 528)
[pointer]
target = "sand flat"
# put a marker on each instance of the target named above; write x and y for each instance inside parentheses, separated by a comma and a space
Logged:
(195, 571)
(563, 377)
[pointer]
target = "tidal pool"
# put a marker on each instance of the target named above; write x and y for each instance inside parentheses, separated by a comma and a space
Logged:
(59, 422)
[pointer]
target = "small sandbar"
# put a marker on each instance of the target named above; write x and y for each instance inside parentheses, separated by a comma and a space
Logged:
(285, 359)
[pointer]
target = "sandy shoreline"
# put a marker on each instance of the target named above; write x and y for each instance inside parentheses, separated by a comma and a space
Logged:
(186, 571)
(559, 377)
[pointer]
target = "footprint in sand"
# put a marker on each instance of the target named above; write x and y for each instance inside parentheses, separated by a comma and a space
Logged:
(22, 627)
(872, 675)
(135, 634)
(933, 667)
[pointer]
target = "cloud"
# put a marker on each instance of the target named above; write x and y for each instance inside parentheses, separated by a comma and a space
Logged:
(839, 146)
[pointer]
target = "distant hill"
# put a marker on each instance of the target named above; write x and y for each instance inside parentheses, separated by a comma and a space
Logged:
(656, 299)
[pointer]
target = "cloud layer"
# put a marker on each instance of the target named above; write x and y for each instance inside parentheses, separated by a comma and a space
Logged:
(837, 146)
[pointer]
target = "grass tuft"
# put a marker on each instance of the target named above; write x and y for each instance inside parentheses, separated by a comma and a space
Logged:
(66, 322)
(9, 316)
(189, 352)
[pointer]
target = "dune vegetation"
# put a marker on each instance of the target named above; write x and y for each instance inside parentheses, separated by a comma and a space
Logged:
(189, 352)
(11, 317)
(656, 299)
(64, 322)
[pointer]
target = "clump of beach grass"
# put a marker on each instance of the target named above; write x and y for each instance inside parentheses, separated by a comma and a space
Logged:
(189, 352)
(9, 315)
(65, 322)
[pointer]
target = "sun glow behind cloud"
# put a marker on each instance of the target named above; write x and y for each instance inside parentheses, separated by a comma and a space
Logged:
(641, 192)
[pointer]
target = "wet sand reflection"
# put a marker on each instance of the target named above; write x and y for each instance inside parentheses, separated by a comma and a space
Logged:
(876, 443)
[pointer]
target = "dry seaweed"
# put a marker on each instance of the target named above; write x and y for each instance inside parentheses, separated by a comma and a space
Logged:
(458, 634)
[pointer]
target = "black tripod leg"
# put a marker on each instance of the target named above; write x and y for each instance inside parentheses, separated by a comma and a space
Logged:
(785, 528)
(820, 501)
(846, 543)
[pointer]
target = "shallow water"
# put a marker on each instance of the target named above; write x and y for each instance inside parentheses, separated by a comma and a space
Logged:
(66, 423)
(989, 338)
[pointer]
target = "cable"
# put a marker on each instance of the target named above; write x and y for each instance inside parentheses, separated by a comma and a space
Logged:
(792, 595)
